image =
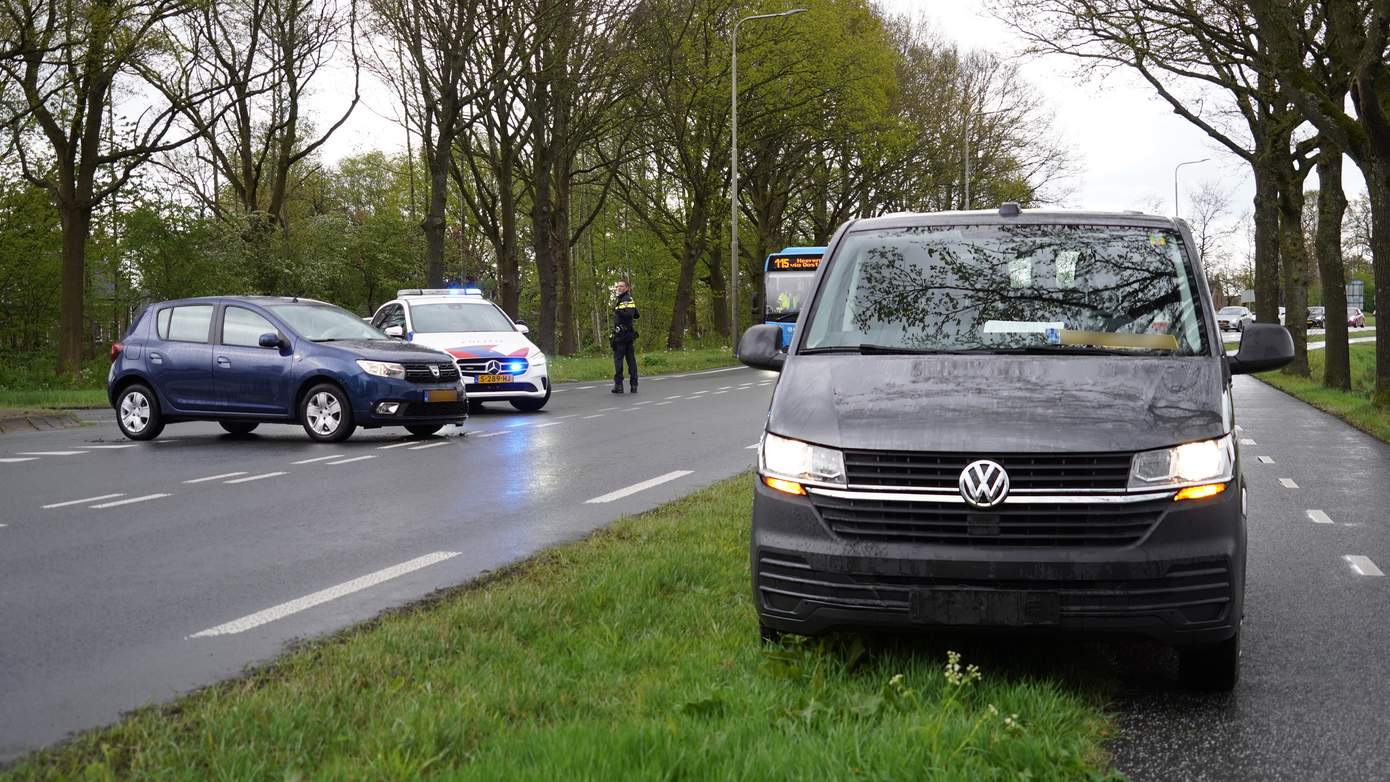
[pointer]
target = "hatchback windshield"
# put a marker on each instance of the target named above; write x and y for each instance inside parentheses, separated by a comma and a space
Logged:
(324, 322)
(456, 316)
(1009, 287)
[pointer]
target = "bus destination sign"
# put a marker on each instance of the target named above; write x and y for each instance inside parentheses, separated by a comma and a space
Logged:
(794, 263)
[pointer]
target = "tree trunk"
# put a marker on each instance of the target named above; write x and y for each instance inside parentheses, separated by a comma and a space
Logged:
(569, 336)
(1332, 205)
(691, 250)
(718, 286)
(1266, 245)
(433, 224)
(76, 221)
(541, 209)
(507, 288)
(1378, 187)
(1293, 262)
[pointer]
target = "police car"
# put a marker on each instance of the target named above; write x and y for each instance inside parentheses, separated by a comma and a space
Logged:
(497, 361)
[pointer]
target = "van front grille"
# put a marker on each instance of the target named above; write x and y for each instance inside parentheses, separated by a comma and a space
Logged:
(930, 470)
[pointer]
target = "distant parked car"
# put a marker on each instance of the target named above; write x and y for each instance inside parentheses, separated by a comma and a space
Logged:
(1317, 317)
(251, 360)
(1356, 318)
(1234, 318)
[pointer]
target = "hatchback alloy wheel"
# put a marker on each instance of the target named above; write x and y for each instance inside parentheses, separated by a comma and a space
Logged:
(135, 412)
(324, 412)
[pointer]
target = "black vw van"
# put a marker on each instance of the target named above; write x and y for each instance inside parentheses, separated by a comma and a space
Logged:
(1008, 420)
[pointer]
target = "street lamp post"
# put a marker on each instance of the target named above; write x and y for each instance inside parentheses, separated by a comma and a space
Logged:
(1175, 180)
(733, 175)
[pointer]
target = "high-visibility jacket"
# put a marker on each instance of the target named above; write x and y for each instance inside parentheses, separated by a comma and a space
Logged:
(624, 313)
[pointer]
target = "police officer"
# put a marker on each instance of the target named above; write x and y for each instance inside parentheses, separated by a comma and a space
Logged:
(624, 334)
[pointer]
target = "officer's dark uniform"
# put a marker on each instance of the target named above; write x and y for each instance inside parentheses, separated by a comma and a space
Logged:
(624, 334)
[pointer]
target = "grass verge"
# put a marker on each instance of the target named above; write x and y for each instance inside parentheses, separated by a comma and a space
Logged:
(1352, 406)
(632, 654)
(51, 398)
(564, 369)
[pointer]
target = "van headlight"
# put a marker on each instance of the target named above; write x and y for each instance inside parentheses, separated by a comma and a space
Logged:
(786, 464)
(1206, 463)
(382, 368)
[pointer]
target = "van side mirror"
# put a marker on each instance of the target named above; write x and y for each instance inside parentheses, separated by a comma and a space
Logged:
(760, 347)
(1263, 346)
(396, 332)
(270, 340)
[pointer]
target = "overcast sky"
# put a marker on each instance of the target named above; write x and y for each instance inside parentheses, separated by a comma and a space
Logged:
(1124, 139)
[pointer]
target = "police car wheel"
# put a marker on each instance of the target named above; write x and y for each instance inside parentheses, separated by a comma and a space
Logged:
(528, 405)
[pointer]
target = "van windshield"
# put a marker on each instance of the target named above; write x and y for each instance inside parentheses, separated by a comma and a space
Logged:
(1001, 288)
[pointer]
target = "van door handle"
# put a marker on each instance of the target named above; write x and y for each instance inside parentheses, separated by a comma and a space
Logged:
(224, 362)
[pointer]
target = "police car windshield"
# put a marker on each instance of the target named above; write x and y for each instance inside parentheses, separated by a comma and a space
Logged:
(1010, 287)
(457, 316)
(324, 322)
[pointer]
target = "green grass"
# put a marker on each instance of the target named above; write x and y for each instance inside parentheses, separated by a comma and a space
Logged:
(564, 369)
(53, 398)
(632, 654)
(1352, 406)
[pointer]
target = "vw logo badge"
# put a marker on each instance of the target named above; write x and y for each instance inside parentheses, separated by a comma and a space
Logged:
(493, 367)
(984, 484)
(434, 370)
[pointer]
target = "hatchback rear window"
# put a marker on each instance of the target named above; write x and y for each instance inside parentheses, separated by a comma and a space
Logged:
(1009, 287)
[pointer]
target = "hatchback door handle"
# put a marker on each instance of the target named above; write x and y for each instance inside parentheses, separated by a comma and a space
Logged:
(157, 358)
(223, 361)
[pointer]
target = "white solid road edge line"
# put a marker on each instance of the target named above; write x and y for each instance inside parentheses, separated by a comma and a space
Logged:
(1362, 565)
(79, 502)
(323, 596)
(127, 502)
(216, 477)
(636, 487)
(1319, 517)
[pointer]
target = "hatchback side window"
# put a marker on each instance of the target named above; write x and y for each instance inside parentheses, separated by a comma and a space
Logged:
(243, 328)
(190, 323)
(162, 322)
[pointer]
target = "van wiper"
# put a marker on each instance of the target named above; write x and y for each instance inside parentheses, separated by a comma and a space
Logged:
(1086, 350)
(894, 350)
(829, 349)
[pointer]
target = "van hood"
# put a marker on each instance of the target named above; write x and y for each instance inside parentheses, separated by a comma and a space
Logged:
(999, 404)
(478, 344)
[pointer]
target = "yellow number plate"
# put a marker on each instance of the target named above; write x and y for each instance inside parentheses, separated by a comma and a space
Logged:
(494, 378)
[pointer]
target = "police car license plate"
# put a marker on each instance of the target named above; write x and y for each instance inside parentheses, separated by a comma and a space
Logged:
(494, 378)
(442, 395)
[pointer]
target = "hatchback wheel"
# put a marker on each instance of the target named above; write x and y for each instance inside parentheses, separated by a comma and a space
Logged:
(137, 413)
(239, 427)
(326, 414)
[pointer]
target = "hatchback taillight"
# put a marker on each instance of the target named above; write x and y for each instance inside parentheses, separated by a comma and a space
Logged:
(116, 349)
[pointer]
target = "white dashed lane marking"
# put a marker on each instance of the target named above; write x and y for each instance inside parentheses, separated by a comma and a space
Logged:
(1362, 565)
(1247, 441)
(1288, 483)
(542, 426)
(677, 396)
(354, 459)
(1319, 517)
(393, 445)
(493, 434)
(595, 415)
(318, 459)
(636, 487)
(50, 453)
(250, 478)
(1267, 459)
(127, 445)
(97, 498)
(217, 477)
(12, 460)
(750, 447)
(659, 404)
(429, 445)
(114, 503)
(323, 596)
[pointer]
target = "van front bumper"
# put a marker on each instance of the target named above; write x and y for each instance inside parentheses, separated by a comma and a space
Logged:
(1181, 583)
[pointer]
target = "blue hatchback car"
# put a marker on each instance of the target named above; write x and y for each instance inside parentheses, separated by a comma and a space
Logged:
(244, 361)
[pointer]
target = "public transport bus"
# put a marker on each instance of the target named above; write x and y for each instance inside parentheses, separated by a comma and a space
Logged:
(787, 284)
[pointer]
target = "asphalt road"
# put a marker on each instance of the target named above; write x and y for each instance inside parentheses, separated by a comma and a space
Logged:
(132, 572)
(255, 541)
(1315, 679)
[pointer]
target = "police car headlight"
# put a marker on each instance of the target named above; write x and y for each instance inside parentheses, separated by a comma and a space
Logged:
(1203, 462)
(382, 368)
(793, 462)
(537, 359)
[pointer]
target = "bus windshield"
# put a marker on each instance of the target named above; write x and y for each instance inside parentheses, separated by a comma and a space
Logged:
(785, 293)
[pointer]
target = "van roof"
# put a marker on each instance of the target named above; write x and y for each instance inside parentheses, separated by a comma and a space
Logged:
(1025, 216)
